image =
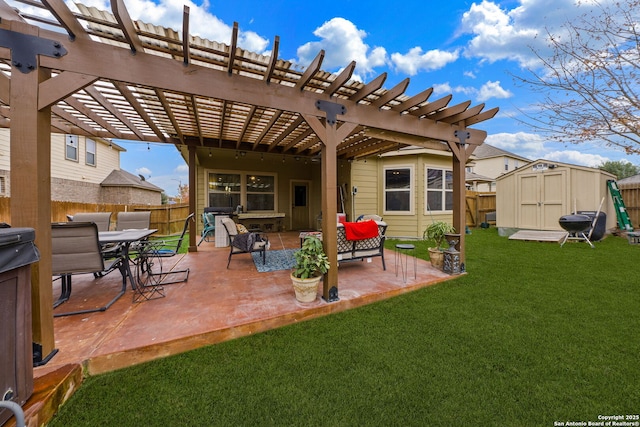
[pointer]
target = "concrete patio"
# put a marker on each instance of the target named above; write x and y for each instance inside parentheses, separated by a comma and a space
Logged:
(216, 304)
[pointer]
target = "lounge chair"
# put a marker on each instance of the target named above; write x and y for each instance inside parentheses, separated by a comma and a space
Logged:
(209, 221)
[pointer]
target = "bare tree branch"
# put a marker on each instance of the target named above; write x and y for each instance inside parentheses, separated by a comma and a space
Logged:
(591, 82)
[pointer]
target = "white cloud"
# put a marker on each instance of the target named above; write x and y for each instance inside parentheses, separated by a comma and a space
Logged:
(182, 168)
(499, 34)
(525, 144)
(343, 42)
(493, 90)
(487, 91)
(146, 172)
(576, 158)
(416, 60)
(202, 23)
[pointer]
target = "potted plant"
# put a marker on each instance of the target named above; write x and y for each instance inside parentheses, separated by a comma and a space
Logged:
(311, 263)
(436, 232)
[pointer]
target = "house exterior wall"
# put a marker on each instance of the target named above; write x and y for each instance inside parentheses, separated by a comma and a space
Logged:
(369, 178)
(130, 196)
(493, 167)
(73, 181)
(531, 198)
(291, 169)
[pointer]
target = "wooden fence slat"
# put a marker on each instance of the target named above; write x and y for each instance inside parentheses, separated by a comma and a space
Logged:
(168, 219)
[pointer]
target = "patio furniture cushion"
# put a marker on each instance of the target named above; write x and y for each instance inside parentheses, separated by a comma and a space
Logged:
(244, 243)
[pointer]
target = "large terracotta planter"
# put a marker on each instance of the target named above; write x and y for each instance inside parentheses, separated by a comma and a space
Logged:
(306, 289)
(436, 256)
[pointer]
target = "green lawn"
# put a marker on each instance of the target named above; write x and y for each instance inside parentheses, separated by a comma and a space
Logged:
(533, 334)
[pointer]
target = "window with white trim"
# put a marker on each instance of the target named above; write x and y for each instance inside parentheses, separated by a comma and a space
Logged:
(256, 192)
(71, 147)
(398, 191)
(439, 188)
(90, 149)
(3, 186)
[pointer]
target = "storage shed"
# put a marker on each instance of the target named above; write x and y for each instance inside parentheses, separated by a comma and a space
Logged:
(535, 196)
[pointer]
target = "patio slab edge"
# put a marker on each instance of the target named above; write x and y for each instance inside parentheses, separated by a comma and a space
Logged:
(118, 360)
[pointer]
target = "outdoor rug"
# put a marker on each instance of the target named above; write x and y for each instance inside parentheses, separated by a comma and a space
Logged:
(276, 260)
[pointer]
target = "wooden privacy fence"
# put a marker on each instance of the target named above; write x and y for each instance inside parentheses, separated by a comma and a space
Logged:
(631, 197)
(168, 219)
(478, 206)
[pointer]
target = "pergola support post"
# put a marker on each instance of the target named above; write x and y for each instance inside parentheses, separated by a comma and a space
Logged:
(193, 247)
(330, 135)
(461, 150)
(30, 201)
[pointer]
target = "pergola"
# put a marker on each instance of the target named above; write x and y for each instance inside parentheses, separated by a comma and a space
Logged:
(100, 74)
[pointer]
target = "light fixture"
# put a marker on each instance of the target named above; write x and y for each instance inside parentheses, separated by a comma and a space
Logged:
(209, 152)
(282, 159)
(261, 157)
(236, 155)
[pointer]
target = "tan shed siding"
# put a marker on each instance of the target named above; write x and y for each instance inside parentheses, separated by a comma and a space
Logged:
(506, 202)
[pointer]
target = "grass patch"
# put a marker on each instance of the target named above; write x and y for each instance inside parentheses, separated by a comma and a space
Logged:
(533, 334)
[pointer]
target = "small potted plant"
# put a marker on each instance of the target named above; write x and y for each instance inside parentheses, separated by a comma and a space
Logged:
(436, 233)
(311, 263)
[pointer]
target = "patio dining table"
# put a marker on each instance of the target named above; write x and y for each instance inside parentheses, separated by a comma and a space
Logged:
(126, 238)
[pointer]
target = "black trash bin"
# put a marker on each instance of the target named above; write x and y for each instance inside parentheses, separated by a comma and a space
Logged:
(17, 253)
(598, 229)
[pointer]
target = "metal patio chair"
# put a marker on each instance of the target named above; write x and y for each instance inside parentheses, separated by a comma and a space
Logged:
(75, 249)
(101, 219)
(209, 229)
(133, 220)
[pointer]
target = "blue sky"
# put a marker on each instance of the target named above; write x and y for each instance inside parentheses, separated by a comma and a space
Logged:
(469, 49)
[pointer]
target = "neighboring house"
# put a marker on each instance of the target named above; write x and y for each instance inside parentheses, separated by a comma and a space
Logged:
(489, 163)
(409, 188)
(85, 170)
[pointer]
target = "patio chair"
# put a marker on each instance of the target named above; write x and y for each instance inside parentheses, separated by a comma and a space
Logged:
(75, 249)
(244, 243)
(209, 221)
(149, 271)
(133, 220)
(101, 219)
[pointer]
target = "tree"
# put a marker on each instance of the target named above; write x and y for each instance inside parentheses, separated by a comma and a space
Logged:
(620, 169)
(183, 193)
(591, 82)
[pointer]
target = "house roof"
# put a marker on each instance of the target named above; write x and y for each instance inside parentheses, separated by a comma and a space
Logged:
(230, 98)
(634, 179)
(122, 178)
(474, 177)
(486, 151)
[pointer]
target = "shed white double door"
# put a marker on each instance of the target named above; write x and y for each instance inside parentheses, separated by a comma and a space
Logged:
(542, 200)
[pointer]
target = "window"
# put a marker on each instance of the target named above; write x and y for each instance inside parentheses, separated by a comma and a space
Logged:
(91, 152)
(260, 192)
(506, 164)
(71, 151)
(439, 190)
(3, 188)
(255, 192)
(397, 190)
(224, 189)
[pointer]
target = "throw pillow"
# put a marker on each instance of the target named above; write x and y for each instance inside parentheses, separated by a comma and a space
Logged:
(241, 229)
